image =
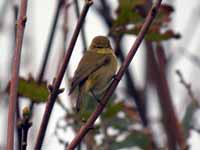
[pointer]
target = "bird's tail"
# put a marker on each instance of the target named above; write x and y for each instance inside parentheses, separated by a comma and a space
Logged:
(79, 100)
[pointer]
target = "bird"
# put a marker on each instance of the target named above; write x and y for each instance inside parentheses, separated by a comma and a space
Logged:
(95, 70)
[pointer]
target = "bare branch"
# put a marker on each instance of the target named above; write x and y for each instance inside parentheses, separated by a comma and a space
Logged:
(172, 125)
(187, 86)
(15, 74)
(50, 40)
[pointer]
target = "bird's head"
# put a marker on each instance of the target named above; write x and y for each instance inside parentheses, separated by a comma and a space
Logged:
(100, 42)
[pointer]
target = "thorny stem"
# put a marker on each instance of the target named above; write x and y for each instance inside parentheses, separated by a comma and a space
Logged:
(15, 74)
(89, 124)
(77, 9)
(53, 95)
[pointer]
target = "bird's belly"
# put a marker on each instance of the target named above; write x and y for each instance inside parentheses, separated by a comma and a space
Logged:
(102, 79)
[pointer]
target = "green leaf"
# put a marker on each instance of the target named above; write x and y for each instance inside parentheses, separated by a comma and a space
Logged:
(126, 12)
(131, 13)
(187, 120)
(112, 110)
(164, 14)
(88, 105)
(31, 89)
(153, 34)
(121, 124)
(138, 139)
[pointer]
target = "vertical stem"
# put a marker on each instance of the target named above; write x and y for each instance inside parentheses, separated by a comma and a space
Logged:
(153, 79)
(172, 125)
(18, 129)
(170, 118)
(15, 74)
(83, 36)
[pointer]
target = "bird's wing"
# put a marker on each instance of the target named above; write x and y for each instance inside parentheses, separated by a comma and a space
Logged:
(89, 63)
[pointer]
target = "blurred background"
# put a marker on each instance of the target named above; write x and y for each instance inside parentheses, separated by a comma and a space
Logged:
(181, 48)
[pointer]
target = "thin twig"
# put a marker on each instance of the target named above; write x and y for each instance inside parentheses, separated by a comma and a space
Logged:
(53, 95)
(15, 74)
(132, 90)
(48, 48)
(89, 124)
(83, 35)
(50, 40)
(187, 86)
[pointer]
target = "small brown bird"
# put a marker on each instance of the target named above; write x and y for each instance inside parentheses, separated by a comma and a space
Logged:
(95, 69)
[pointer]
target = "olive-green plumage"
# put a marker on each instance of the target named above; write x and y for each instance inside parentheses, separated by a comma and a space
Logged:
(95, 69)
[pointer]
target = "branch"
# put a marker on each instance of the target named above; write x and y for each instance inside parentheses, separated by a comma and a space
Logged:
(188, 87)
(172, 126)
(132, 90)
(77, 9)
(19, 131)
(48, 47)
(154, 79)
(89, 124)
(55, 91)
(50, 41)
(15, 74)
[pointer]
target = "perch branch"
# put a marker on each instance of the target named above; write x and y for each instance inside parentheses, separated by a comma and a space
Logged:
(132, 90)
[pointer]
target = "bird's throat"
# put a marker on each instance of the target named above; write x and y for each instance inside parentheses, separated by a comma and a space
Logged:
(104, 51)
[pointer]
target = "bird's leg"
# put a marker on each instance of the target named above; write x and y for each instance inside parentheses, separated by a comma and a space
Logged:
(95, 97)
(113, 77)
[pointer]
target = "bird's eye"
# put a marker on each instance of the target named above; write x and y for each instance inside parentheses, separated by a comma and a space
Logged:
(99, 46)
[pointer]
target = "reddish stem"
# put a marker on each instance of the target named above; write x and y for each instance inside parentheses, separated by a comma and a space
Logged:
(15, 74)
(170, 119)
